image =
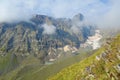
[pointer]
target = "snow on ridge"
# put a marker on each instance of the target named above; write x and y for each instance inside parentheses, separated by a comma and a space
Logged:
(93, 40)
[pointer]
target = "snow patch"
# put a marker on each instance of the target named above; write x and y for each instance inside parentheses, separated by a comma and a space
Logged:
(93, 41)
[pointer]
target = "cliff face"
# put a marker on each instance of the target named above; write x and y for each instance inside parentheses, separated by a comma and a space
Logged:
(41, 37)
(102, 65)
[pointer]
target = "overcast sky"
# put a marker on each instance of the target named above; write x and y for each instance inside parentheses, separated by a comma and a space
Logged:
(93, 10)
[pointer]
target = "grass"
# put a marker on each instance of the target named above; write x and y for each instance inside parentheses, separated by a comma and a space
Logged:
(71, 72)
(31, 68)
(77, 71)
(7, 63)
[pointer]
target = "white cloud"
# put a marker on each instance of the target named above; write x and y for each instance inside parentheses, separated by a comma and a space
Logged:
(23, 9)
(16, 10)
(103, 14)
(112, 17)
(48, 29)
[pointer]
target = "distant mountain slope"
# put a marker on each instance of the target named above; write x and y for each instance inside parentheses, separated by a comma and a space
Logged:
(103, 65)
(40, 36)
(31, 69)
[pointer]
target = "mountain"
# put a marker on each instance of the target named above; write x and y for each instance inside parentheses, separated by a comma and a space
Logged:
(104, 64)
(42, 38)
(78, 17)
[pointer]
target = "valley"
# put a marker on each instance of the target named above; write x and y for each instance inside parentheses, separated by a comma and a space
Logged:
(31, 46)
(59, 40)
(102, 65)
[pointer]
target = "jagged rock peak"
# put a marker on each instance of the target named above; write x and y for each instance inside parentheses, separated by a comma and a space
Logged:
(79, 17)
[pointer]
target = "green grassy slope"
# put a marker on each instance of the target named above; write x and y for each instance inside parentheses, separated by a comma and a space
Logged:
(8, 63)
(31, 69)
(92, 68)
(29, 63)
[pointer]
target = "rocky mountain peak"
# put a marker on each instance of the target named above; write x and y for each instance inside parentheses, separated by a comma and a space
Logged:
(78, 17)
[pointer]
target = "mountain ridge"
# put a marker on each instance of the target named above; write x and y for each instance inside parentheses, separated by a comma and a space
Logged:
(102, 65)
(25, 38)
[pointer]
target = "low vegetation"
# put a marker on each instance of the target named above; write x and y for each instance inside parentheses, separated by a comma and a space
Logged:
(102, 65)
(31, 69)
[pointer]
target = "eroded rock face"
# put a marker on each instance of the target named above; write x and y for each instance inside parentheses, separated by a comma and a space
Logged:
(40, 34)
(68, 48)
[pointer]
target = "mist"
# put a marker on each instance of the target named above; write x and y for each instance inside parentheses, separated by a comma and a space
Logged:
(103, 13)
(112, 17)
(48, 29)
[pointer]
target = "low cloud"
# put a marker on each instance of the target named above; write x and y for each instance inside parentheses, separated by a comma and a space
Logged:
(109, 17)
(104, 13)
(48, 29)
(78, 21)
(15, 10)
(112, 17)
(77, 26)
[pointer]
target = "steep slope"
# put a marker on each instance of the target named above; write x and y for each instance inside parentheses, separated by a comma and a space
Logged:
(42, 37)
(103, 65)
(24, 38)
(31, 68)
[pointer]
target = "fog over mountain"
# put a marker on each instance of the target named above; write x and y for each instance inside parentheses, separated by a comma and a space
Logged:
(104, 13)
(39, 38)
(48, 29)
